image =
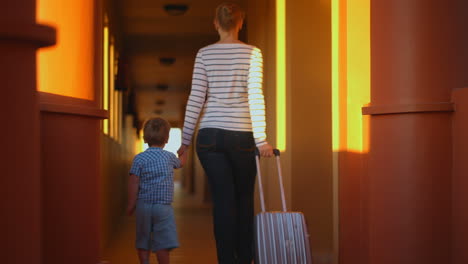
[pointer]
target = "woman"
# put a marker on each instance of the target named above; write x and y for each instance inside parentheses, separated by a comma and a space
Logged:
(227, 97)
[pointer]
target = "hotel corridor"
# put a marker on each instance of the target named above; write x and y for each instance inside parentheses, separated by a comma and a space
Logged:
(194, 227)
(367, 100)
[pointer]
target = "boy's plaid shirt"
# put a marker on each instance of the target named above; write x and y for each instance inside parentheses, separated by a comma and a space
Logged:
(155, 168)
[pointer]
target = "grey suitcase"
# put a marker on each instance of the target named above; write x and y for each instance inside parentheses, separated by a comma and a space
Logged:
(280, 237)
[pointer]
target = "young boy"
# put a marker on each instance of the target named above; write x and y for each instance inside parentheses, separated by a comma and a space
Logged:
(150, 194)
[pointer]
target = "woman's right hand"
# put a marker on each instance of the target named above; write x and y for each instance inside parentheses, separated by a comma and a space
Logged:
(266, 150)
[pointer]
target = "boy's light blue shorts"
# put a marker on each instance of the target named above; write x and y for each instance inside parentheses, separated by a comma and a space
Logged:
(155, 227)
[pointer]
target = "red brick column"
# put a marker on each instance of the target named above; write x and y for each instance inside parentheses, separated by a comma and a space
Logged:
(20, 197)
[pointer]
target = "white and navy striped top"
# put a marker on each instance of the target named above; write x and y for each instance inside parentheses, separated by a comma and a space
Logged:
(227, 91)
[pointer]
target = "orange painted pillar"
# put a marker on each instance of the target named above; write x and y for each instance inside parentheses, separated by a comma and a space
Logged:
(409, 165)
(20, 197)
(460, 145)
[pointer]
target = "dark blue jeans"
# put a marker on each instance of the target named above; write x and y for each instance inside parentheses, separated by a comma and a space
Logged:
(228, 158)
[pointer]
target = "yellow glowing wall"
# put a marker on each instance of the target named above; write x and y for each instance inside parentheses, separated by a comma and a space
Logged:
(350, 73)
(112, 94)
(358, 71)
(281, 74)
(105, 78)
(112, 99)
(67, 68)
(336, 52)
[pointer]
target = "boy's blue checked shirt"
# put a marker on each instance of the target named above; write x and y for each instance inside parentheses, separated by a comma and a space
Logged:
(155, 168)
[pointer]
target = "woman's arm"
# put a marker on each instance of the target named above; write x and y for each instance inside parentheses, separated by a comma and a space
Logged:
(256, 99)
(257, 103)
(196, 99)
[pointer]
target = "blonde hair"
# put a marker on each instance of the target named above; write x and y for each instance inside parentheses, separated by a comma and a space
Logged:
(156, 131)
(229, 15)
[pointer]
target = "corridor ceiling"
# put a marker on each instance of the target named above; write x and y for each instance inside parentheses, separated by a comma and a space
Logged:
(150, 34)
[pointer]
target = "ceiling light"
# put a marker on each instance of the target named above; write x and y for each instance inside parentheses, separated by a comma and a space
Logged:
(175, 9)
(167, 61)
(162, 86)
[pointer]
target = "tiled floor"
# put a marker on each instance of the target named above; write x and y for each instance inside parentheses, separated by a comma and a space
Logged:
(195, 235)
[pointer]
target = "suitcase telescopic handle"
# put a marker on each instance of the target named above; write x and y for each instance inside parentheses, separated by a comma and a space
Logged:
(280, 177)
(259, 175)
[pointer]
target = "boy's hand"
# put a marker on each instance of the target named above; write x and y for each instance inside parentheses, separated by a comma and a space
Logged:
(130, 210)
(182, 150)
(182, 155)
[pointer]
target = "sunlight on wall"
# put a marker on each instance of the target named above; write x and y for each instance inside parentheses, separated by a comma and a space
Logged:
(281, 74)
(111, 90)
(105, 78)
(143, 146)
(113, 114)
(358, 71)
(112, 98)
(67, 68)
(335, 25)
(140, 144)
(352, 40)
(175, 140)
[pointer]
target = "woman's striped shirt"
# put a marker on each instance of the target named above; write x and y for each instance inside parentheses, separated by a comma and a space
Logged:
(227, 91)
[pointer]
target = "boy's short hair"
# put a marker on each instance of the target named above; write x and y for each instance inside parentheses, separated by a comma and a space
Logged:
(156, 131)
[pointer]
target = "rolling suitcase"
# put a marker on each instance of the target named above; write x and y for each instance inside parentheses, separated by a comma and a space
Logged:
(280, 237)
